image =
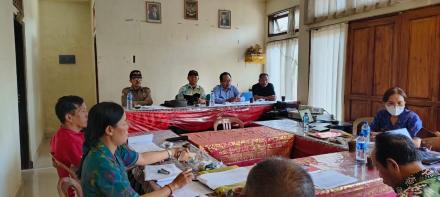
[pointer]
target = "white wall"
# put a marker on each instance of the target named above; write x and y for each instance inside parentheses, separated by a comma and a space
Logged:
(166, 52)
(10, 176)
(35, 120)
(278, 5)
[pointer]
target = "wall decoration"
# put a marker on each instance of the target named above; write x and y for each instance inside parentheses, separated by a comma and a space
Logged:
(154, 12)
(191, 9)
(224, 19)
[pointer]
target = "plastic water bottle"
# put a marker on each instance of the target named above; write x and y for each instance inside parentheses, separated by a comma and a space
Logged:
(129, 101)
(365, 131)
(361, 149)
(306, 121)
(212, 99)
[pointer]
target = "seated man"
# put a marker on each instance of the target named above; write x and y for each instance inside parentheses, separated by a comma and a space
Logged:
(399, 164)
(66, 144)
(225, 92)
(141, 95)
(278, 177)
(263, 89)
(192, 89)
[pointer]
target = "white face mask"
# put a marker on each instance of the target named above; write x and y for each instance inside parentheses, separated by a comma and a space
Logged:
(395, 110)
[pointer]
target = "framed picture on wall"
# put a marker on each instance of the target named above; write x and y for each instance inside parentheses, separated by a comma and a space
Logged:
(191, 9)
(154, 12)
(224, 19)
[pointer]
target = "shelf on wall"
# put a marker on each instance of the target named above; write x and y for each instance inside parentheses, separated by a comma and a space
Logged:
(255, 59)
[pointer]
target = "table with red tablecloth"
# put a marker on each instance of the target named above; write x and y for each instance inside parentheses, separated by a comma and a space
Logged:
(245, 146)
(191, 119)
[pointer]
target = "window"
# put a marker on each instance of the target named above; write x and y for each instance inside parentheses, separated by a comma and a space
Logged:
(284, 22)
(282, 67)
(327, 50)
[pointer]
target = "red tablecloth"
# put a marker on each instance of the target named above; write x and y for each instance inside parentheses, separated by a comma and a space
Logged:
(191, 119)
(245, 146)
(308, 146)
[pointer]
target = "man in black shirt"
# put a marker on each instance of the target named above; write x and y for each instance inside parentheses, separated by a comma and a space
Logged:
(263, 89)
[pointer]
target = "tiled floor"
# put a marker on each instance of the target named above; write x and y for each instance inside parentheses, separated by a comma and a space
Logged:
(42, 180)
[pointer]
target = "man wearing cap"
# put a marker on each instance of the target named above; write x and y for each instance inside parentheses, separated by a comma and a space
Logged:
(141, 95)
(192, 87)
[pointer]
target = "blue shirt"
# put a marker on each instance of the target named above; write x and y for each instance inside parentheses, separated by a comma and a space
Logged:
(407, 119)
(221, 95)
(104, 174)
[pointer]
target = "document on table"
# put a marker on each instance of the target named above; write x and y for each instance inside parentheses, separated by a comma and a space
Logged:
(218, 179)
(286, 125)
(192, 189)
(151, 172)
(143, 143)
(329, 179)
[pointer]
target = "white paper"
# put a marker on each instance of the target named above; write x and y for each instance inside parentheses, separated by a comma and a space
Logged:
(151, 172)
(286, 125)
(330, 179)
(319, 124)
(218, 179)
(192, 189)
(141, 148)
(402, 131)
(143, 143)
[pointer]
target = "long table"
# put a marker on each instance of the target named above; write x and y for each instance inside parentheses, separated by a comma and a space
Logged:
(192, 119)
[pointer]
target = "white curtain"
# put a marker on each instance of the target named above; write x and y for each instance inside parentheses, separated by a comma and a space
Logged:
(282, 67)
(330, 8)
(327, 55)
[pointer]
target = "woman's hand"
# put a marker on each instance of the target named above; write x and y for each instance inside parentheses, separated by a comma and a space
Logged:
(182, 179)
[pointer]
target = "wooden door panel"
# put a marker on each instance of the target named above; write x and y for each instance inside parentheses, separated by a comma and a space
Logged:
(383, 58)
(437, 120)
(360, 82)
(424, 114)
(376, 107)
(422, 38)
(359, 109)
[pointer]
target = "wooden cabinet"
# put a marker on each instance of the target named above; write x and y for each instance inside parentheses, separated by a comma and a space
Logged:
(395, 50)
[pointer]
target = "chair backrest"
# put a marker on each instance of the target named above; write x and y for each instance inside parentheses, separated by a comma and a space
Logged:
(227, 123)
(58, 164)
(359, 121)
(67, 184)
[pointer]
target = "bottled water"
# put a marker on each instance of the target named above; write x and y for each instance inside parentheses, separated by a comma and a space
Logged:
(365, 131)
(306, 121)
(129, 101)
(361, 149)
(212, 99)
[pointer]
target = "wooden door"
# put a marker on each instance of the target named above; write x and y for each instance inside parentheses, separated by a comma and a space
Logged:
(371, 65)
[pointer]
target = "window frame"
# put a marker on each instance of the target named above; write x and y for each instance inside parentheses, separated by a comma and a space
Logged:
(273, 17)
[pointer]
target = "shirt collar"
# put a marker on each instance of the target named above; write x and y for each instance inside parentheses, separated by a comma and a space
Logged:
(416, 178)
(189, 86)
(101, 147)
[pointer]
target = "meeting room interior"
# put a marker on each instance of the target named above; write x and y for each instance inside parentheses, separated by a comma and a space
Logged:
(220, 98)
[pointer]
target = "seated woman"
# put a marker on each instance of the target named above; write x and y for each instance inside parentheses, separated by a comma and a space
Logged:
(396, 115)
(106, 157)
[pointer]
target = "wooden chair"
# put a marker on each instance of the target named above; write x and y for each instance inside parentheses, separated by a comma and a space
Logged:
(67, 183)
(358, 123)
(227, 123)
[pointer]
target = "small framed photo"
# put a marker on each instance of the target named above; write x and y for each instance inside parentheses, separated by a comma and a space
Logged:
(191, 9)
(224, 19)
(154, 12)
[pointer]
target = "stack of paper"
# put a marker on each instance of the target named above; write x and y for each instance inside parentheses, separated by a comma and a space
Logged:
(192, 189)
(143, 143)
(152, 173)
(330, 179)
(219, 179)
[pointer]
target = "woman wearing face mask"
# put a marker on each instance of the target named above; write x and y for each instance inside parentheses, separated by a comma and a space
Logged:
(106, 157)
(395, 115)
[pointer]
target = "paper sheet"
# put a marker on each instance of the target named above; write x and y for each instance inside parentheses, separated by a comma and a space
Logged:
(286, 125)
(151, 173)
(218, 179)
(192, 189)
(330, 179)
(143, 143)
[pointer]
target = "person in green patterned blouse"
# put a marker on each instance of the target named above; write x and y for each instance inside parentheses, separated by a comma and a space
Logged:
(399, 164)
(106, 156)
(192, 88)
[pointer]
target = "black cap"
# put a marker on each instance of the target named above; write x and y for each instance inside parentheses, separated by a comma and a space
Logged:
(135, 74)
(193, 73)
